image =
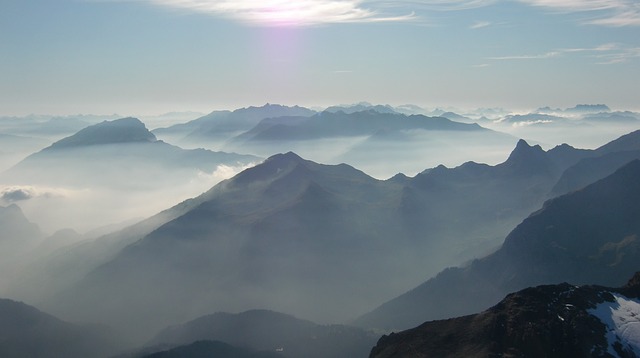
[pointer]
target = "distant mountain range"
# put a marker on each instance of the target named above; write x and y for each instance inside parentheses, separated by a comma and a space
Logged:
(324, 242)
(267, 331)
(340, 124)
(119, 153)
(587, 236)
(361, 135)
(219, 126)
(546, 321)
(242, 244)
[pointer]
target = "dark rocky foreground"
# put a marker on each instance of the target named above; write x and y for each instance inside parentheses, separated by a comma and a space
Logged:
(543, 321)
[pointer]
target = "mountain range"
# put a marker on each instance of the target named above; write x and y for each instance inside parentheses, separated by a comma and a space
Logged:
(117, 153)
(242, 245)
(589, 236)
(219, 126)
(361, 135)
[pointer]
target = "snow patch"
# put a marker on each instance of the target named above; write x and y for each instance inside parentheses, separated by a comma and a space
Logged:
(622, 318)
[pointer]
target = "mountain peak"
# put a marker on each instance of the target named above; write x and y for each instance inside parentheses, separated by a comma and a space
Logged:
(269, 168)
(124, 130)
(288, 156)
(527, 159)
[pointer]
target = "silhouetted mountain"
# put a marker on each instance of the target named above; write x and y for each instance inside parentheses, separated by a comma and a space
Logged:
(341, 124)
(261, 330)
(589, 170)
(588, 236)
(27, 332)
(17, 238)
(533, 118)
(599, 163)
(222, 125)
(117, 153)
(564, 155)
(248, 234)
(208, 349)
(360, 107)
(241, 245)
(545, 321)
(16, 228)
(627, 142)
(613, 117)
(124, 130)
(456, 117)
(367, 138)
(589, 108)
(498, 196)
(251, 233)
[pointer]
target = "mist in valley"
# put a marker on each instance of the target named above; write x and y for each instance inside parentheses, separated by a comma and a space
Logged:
(188, 178)
(115, 225)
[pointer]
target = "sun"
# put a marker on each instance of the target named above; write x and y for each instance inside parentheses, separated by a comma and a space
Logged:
(305, 12)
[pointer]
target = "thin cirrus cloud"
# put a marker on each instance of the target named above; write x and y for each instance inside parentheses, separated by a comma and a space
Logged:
(614, 13)
(286, 12)
(479, 25)
(605, 54)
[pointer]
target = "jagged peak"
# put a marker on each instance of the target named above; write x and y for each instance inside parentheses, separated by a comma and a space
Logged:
(523, 151)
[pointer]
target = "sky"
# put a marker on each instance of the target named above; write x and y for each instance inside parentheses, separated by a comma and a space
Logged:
(142, 57)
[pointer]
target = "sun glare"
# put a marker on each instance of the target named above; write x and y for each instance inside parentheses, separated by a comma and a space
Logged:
(281, 12)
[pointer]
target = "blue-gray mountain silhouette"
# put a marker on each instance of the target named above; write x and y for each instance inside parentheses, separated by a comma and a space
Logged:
(587, 236)
(117, 153)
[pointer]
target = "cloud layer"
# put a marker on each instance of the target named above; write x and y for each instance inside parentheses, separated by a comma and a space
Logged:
(313, 12)
(284, 12)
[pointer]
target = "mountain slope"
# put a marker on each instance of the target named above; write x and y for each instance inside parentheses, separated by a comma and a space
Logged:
(588, 236)
(27, 332)
(244, 246)
(544, 321)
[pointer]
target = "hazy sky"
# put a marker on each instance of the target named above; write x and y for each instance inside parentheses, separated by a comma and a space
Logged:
(152, 56)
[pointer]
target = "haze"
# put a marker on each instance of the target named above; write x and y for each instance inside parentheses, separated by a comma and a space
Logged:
(296, 178)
